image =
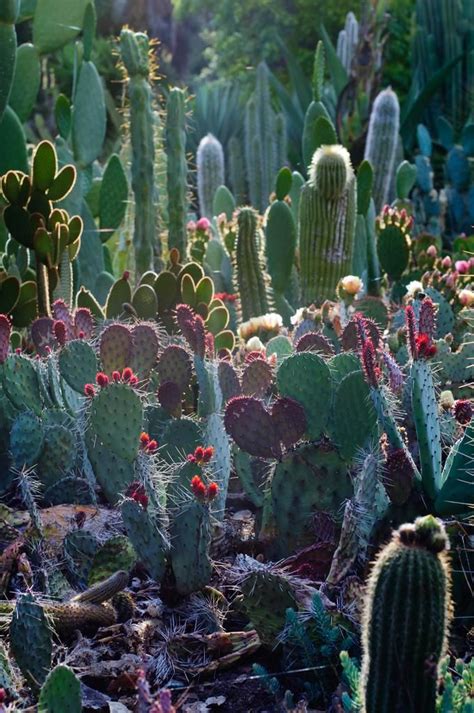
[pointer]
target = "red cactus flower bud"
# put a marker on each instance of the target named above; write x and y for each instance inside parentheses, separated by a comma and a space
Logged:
(116, 376)
(199, 454)
(89, 390)
(102, 379)
(462, 411)
(208, 453)
(126, 275)
(136, 491)
(127, 374)
(190, 458)
(198, 487)
(81, 335)
(133, 380)
(411, 329)
(18, 350)
(212, 490)
(152, 446)
(425, 348)
(47, 350)
(3, 695)
(144, 438)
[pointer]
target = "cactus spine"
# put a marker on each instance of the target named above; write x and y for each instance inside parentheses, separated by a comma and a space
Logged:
(177, 170)
(405, 620)
(382, 141)
(250, 277)
(210, 172)
(134, 47)
(327, 223)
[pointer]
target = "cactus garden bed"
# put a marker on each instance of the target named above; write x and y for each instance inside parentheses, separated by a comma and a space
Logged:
(236, 436)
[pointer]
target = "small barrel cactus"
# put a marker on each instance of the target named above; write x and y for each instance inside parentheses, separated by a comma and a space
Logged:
(406, 620)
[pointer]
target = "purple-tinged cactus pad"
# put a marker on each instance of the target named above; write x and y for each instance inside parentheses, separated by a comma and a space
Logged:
(290, 421)
(83, 323)
(5, 331)
(252, 427)
(116, 346)
(144, 350)
(61, 311)
(350, 341)
(314, 342)
(42, 335)
(169, 396)
(228, 380)
(257, 378)
(175, 365)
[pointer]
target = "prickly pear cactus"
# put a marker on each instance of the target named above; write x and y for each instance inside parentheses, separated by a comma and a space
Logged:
(60, 692)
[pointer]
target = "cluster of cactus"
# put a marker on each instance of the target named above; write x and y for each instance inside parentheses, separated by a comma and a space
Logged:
(347, 41)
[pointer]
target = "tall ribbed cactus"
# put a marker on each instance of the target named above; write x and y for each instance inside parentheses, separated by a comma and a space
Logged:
(210, 172)
(347, 41)
(327, 223)
(236, 161)
(8, 14)
(134, 48)
(444, 32)
(250, 276)
(381, 146)
(177, 170)
(264, 141)
(311, 140)
(405, 620)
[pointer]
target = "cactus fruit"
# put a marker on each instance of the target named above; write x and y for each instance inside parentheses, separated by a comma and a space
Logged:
(327, 222)
(406, 619)
(381, 146)
(210, 172)
(134, 48)
(177, 169)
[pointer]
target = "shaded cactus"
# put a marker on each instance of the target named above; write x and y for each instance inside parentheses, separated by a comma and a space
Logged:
(327, 223)
(381, 145)
(347, 41)
(177, 169)
(210, 172)
(249, 274)
(405, 620)
(134, 48)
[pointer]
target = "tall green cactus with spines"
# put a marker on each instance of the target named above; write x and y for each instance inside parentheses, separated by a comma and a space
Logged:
(236, 167)
(327, 220)
(316, 109)
(210, 172)
(381, 145)
(8, 15)
(263, 141)
(177, 170)
(444, 35)
(405, 620)
(250, 277)
(134, 49)
(347, 41)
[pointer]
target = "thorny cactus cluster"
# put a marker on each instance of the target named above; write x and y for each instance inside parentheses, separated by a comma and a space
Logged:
(306, 356)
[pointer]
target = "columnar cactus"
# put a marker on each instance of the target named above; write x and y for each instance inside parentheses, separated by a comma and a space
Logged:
(316, 109)
(8, 15)
(210, 172)
(250, 277)
(236, 163)
(327, 223)
(177, 169)
(347, 41)
(406, 620)
(381, 146)
(263, 135)
(134, 48)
